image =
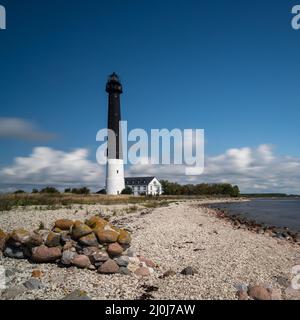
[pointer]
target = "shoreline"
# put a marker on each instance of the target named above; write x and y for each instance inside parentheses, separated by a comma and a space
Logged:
(180, 235)
(240, 221)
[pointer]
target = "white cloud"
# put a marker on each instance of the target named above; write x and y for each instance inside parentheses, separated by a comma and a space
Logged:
(49, 166)
(16, 128)
(253, 169)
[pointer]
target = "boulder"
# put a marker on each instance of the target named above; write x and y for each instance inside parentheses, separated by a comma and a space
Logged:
(53, 239)
(122, 261)
(81, 261)
(80, 229)
(107, 236)
(99, 258)
(89, 240)
(259, 293)
(96, 222)
(124, 237)
(108, 267)
(67, 257)
(64, 224)
(114, 249)
(43, 254)
(142, 272)
(3, 239)
(21, 236)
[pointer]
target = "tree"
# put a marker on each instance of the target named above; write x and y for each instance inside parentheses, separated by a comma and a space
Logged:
(68, 190)
(35, 191)
(49, 190)
(83, 190)
(19, 192)
(127, 190)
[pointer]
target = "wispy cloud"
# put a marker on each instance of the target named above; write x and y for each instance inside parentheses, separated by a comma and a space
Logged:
(49, 166)
(20, 129)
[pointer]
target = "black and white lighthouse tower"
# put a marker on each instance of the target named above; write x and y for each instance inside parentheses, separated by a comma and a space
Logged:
(115, 181)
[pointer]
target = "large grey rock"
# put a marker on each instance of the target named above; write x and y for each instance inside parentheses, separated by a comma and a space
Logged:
(122, 261)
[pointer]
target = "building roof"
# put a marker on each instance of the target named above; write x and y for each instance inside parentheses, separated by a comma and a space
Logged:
(138, 180)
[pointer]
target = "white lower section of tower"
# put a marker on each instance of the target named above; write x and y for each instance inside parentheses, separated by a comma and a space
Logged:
(115, 181)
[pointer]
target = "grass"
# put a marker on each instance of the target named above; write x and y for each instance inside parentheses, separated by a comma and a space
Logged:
(55, 201)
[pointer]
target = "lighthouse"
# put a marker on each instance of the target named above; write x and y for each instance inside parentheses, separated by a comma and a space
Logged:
(115, 181)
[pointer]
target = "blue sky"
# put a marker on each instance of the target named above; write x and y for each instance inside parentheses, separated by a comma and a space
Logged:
(230, 67)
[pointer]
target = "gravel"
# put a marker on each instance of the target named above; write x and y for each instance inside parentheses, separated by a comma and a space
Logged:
(175, 237)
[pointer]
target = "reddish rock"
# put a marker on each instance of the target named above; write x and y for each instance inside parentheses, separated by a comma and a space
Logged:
(37, 274)
(80, 229)
(148, 262)
(107, 236)
(81, 261)
(108, 267)
(114, 249)
(142, 272)
(259, 293)
(64, 224)
(43, 254)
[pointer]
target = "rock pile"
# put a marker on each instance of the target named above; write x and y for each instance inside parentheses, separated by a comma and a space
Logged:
(95, 244)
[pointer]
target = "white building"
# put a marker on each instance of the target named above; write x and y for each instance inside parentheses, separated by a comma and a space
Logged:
(144, 185)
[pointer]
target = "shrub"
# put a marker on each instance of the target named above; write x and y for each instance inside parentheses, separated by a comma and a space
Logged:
(49, 190)
(83, 190)
(127, 190)
(35, 191)
(19, 192)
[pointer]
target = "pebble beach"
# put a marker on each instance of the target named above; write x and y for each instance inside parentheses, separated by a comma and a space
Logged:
(184, 234)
